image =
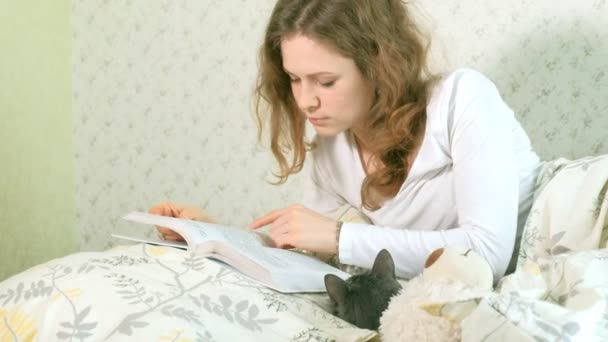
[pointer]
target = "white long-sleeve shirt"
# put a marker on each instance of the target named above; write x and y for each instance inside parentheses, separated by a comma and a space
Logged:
(471, 184)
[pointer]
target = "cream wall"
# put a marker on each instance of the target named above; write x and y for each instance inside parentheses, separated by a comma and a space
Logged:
(162, 96)
(36, 175)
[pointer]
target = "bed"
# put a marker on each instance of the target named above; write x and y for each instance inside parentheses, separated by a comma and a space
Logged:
(144, 292)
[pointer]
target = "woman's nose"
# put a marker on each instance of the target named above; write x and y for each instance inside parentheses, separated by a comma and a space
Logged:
(308, 101)
(312, 106)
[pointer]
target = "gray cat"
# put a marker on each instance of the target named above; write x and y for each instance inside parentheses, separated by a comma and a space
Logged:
(362, 298)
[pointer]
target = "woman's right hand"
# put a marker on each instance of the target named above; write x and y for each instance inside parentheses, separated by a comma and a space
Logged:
(178, 211)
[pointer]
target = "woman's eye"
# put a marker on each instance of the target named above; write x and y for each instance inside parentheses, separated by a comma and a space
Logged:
(327, 84)
(294, 80)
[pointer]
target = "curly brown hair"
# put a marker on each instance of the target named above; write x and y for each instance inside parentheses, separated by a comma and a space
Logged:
(389, 49)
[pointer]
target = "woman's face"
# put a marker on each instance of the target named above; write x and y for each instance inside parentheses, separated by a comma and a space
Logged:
(328, 87)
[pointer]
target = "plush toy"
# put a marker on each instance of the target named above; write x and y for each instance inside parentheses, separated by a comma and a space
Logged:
(459, 264)
(431, 305)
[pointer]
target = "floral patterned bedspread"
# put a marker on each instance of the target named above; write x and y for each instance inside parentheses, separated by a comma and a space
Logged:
(559, 291)
(149, 293)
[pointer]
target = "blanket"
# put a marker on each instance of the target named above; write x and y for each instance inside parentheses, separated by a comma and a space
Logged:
(559, 290)
(149, 293)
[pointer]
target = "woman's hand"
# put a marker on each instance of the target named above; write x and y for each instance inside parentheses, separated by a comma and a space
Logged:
(178, 211)
(297, 226)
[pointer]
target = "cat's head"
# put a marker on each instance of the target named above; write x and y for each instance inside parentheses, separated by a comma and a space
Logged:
(362, 298)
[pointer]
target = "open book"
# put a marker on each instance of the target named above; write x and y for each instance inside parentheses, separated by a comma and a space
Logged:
(244, 250)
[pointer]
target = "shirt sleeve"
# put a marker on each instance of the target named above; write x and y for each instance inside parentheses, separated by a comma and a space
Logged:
(485, 185)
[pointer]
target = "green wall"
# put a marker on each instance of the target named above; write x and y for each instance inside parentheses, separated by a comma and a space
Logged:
(37, 215)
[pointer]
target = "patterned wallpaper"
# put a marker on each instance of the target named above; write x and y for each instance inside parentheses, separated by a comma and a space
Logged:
(162, 96)
(548, 58)
(162, 108)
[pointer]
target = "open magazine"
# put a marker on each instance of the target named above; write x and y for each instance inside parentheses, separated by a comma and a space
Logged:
(246, 251)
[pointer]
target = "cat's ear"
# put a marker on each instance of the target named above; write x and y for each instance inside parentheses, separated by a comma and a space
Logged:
(383, 265)
(336, 288)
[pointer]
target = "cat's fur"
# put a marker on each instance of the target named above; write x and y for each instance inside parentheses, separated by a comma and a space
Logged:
(362, 298)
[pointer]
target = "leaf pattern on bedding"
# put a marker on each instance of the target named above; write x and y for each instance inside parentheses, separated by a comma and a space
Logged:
(143, 293)
(312, 334)
(120, 260)
(77, 329)
(38, 288)
(132, 290)
(570, 208)
(204, 337)
(242, 313)
(185, 314)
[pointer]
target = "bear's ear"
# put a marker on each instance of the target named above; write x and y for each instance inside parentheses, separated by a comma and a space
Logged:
(384, 265)
(433, 257)
(336, 288)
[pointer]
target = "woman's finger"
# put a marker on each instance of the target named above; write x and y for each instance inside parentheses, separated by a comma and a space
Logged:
(279, 226)
(160, 209)
(168, 234)
(266, 219)
(174, 237)
(175, 210)
(165, 231)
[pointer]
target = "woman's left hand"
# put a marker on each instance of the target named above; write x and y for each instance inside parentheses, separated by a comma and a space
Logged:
(300, 227)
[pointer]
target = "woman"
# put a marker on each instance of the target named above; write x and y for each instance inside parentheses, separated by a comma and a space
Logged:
(432, 161)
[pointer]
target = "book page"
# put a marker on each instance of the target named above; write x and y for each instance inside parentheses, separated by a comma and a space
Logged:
(276, 259)
(195, 232)
(153, 241)
(289, 271)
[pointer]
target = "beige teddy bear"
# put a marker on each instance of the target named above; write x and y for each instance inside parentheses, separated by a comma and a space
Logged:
(431, 306)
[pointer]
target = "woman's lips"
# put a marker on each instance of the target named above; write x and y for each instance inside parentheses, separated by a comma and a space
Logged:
(317, 121)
